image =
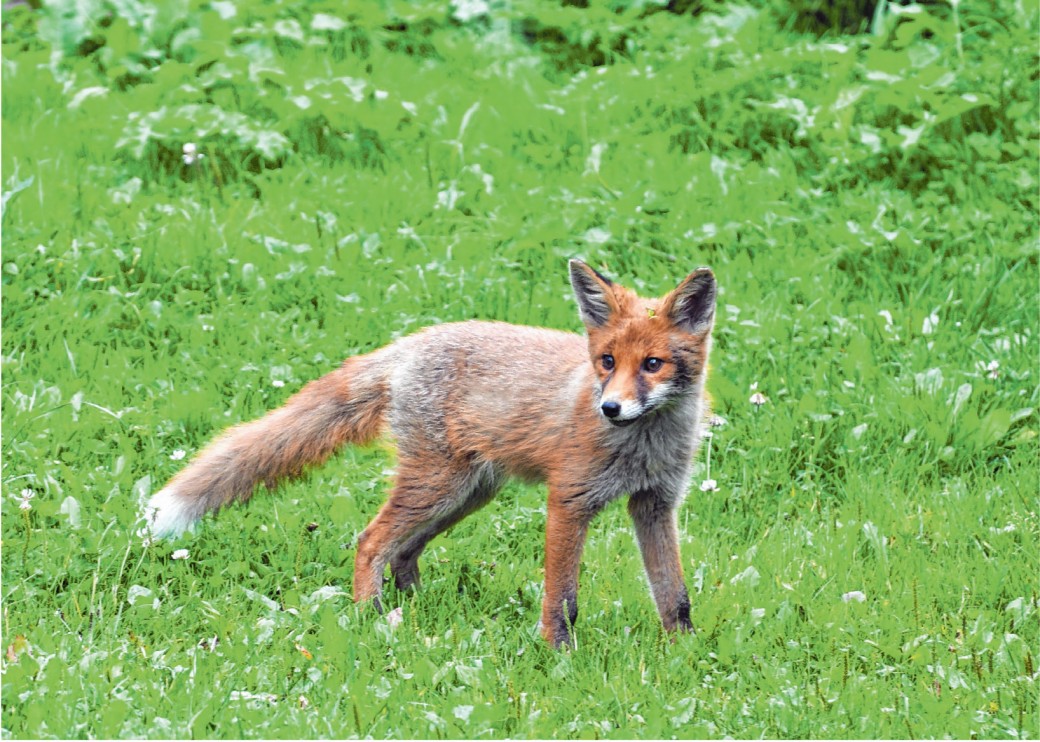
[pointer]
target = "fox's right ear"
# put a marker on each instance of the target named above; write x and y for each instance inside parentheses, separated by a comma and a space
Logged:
(594, 293)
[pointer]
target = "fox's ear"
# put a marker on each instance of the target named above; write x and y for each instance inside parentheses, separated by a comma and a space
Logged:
(691, 306)
(595, 297)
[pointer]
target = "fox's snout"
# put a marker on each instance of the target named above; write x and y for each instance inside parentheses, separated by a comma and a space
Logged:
(621, 412)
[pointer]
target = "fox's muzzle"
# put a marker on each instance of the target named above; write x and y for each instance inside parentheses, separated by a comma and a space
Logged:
(620, 412)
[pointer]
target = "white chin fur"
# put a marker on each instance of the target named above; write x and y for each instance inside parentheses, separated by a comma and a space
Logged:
(630, 410)
(167, 514)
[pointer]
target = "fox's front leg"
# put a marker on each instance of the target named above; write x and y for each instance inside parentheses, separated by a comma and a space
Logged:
(565, 529)
(655, 521)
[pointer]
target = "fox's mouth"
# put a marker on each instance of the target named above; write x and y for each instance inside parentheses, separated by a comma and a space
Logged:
(646, 412)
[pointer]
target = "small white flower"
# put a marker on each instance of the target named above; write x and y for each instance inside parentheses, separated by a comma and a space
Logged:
(24, 498)
(278, 383)
(716, 421)
(177, 455)
(304, 703)
(930, 323)
(854, 595)
(754, 386)
(395, 617)
(190, 153)
(992, 369)
(709, 485)
(179, 554)
(758, 399)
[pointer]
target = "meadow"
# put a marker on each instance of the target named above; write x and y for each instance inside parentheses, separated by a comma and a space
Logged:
(207, 204)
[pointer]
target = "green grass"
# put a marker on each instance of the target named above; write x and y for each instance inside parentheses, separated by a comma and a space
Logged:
(868, 204)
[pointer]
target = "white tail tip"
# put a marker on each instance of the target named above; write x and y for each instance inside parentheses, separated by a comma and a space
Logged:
(167, 514)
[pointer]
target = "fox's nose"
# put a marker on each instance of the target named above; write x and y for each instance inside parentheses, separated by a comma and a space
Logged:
(611, 409)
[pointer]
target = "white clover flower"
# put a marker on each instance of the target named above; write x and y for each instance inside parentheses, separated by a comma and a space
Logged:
(992, 369)
(179, 554)
(854, 595)
(758, 399)
(190, 153)
(177, 455)
(278, 383)
(395, 617)
(709, 485)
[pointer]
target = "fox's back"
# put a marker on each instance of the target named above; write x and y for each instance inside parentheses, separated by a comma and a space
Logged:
(489, 388)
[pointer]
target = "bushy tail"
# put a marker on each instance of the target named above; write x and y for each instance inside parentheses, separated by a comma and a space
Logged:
(345, 406)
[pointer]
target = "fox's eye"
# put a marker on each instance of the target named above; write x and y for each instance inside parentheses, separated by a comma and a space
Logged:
(608, 361)
(652, 365)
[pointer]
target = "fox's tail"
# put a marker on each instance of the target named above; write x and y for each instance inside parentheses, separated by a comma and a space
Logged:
(346, 406)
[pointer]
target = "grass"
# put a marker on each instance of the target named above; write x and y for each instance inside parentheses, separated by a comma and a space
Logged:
(868, 204)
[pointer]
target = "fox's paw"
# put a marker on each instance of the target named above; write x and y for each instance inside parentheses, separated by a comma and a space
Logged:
(167, 514)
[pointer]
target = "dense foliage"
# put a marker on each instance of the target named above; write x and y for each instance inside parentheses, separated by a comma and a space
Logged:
(206, 204)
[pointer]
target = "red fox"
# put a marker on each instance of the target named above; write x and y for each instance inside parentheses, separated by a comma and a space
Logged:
(615, 413)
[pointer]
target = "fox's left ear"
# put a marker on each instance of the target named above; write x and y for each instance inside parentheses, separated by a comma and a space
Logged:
(691, 306)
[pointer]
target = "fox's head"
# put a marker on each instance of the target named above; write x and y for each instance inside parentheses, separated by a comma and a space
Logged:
(647, 353)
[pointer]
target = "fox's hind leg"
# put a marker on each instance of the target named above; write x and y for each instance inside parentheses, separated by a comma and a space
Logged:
(425, 500)
(478, 492)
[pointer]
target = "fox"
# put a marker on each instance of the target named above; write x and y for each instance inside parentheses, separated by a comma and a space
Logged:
(616, 412)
